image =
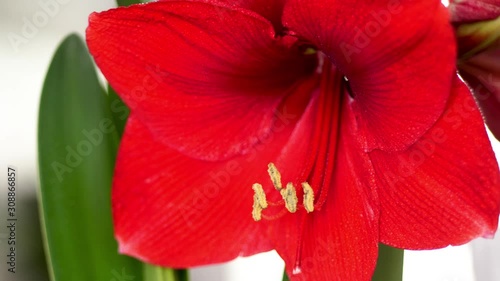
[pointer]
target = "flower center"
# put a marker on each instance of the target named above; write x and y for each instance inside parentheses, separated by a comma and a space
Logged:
(316, 172)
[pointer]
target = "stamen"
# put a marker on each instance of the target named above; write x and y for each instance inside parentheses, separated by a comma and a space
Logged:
(259, 201)
(310, 51)
(260, 195)
(275, 176)
(257, 209)
(308, 197)
(289, 194)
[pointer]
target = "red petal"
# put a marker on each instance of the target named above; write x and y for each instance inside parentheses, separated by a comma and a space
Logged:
(339, 241)
(173, 210)
(200, 86)
(474, 10)
(270, 9)
(396, 45)
(445, 189)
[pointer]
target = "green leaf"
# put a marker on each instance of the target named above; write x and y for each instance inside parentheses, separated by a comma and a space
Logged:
(156, 273)
(285, 277)
(129, 2)
(77, 144)
(389, 264)
(119, 110)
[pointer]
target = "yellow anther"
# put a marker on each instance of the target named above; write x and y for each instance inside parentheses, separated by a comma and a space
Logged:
(308, 197)
(289, 194)
(260, 195)
(259, 201)
(310, 51)
(275, 176)
(257, 209)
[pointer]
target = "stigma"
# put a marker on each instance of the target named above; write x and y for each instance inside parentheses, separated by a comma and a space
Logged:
(288, 194)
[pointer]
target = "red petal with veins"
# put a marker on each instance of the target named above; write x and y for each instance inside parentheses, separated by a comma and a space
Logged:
(270, 9)
(173, 210)
(445, 190)
(203, 88)
(338, 240)
(474, 10)
(396, 45)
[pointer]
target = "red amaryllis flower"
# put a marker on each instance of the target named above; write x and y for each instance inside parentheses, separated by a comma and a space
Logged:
(477, 29)
(343, 124)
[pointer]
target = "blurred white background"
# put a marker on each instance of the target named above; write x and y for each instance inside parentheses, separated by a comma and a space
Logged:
(23, 65)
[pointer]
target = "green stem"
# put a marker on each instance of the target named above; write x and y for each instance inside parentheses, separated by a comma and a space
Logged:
(156, 273)
(389, 264)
